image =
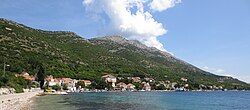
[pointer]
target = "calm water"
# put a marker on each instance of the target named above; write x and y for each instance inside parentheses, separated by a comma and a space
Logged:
(145, 101)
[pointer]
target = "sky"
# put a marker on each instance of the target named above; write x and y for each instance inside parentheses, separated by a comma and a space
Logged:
(213, 35)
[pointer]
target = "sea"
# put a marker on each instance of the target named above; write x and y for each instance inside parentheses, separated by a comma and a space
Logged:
(215, 100)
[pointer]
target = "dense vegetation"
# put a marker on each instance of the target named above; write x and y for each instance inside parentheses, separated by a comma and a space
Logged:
(65, 54)
(9, 80)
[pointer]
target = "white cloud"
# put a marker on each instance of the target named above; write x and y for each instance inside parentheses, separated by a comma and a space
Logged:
(160, 5)
(129, 18)
(215, 70)
(87, 2)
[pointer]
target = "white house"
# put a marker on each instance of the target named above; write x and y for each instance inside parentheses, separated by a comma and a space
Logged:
(110, 79)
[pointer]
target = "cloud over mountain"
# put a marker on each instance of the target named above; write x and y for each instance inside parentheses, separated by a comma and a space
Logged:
(131, 18)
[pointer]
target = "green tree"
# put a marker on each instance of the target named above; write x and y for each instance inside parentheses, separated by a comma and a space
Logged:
(80, 83)
(56, 87)
(41, 76)
(64, 86)
(138, 86)
(100, 84)
(160, 87)
(3, 81)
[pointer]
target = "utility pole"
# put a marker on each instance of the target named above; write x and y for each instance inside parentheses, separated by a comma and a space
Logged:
(4, 66)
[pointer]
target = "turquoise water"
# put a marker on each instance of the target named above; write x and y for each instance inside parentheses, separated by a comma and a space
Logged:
(231, 100)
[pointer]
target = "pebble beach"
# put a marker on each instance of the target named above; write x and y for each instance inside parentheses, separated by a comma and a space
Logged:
(18, 101)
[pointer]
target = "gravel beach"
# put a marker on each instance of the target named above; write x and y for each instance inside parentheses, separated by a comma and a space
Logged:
(18, 101)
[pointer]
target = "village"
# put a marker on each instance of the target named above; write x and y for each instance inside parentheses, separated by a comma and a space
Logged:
(53, 85)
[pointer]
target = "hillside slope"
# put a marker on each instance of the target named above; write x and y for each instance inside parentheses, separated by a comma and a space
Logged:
(65, 54)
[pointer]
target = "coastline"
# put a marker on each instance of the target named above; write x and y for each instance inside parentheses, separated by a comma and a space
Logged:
(155, 100)
(24, 101)
(18, 101)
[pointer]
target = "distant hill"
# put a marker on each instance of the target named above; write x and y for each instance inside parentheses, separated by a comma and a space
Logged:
(65, 54)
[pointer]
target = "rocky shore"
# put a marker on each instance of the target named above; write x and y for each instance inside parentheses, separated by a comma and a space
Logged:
(19, 101)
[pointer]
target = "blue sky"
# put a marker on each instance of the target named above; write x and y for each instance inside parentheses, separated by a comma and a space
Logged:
(211, 34)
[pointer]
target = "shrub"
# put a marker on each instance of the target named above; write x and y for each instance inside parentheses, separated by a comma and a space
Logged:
(56, 87)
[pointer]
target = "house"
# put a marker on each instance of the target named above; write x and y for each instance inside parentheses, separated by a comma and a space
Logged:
(167, 82)
(120, 78)
(110, 79)
(58, 81)
(71, 83)
(149, 79)
(146, 86)
(48, 78)
(130, 87)
(136, 79)
(51, 81)
(220, 87)
(9, 29)
(86, 82)
(184, 79)
(121, 86)
(173, 85)
(26, 76)
(162, 82)
(168, 86)
(66, 80)
(210, 87)
(215, 87)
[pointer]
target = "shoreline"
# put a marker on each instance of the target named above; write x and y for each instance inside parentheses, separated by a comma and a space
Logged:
(24, 101)
(17, 101)
(166, 91)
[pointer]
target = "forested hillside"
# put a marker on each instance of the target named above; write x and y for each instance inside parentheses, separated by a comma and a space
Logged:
(65, 54)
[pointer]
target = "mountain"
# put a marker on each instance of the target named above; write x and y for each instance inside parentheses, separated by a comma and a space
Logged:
(65, 54)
